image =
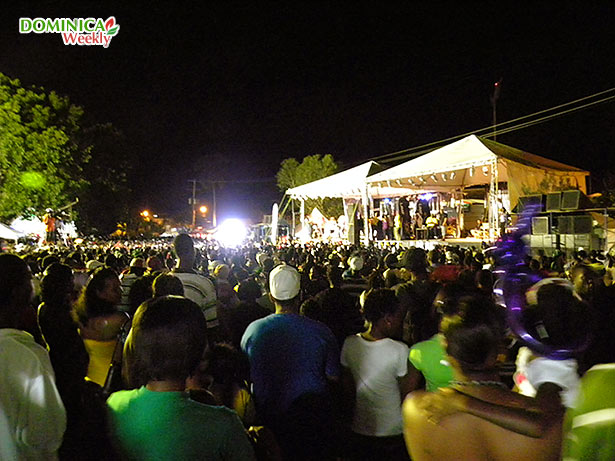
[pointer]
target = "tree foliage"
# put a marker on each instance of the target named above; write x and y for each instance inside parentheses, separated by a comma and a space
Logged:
(313, 167)
(47, 159)
(105, 201)
(41, 162)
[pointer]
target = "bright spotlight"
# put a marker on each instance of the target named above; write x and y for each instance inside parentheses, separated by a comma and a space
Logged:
(231, 233)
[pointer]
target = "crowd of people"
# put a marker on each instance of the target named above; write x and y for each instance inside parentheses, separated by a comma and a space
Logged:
(187, 350)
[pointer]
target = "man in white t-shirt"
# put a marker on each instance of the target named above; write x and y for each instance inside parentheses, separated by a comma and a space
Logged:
(197, 287)
(30, 404)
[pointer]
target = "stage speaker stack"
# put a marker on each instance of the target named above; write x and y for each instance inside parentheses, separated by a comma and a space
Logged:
(571, 199)
(553, 201)
(540, 225)
(564, 224)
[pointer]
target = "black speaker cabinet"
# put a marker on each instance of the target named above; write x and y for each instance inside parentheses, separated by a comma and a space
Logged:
(571, 199)
(564, 224)
(582, 224)
(553, 201)
(540, 225)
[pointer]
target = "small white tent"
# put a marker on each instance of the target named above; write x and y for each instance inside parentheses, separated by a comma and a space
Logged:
(9, 233)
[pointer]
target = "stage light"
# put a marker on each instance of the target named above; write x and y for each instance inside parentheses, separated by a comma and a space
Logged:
(398, 182)
(453, 174)
(411, 181)
(388, 183)
(485, 170)
(231, 233)
(443, 177)
(434, 177)
(471, 171)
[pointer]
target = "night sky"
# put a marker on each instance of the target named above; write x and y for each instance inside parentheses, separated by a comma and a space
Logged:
(239, 89)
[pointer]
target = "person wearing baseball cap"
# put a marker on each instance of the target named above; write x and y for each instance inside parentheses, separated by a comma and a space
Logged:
(293, 360)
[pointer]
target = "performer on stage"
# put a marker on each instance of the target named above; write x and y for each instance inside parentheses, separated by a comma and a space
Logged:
(50, 226)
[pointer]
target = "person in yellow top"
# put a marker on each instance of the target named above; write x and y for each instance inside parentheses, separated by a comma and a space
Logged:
(99, 320)
(431, 223)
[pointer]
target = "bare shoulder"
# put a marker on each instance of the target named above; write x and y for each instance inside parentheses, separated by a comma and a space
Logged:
(412, 402)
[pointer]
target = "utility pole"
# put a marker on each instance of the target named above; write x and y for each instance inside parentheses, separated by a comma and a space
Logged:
(193, 202)
(214, 217)
(494, 102)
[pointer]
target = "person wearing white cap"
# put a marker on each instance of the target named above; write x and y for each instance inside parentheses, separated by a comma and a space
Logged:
(293, 360)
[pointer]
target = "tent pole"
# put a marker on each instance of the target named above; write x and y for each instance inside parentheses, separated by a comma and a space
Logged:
(493, 202)
(302, 214)
(461, 215)
(366, 232)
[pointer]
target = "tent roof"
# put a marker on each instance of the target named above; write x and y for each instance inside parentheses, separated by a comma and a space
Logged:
(468, 152)
(344, 184)
(7, 232)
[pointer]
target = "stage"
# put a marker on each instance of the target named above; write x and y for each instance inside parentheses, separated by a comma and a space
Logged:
(469, 242)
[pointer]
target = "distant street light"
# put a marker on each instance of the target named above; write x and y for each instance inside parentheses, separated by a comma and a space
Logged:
(203, 209)
(145, 213)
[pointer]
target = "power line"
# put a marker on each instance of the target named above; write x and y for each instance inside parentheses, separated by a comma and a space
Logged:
(559, 114)
(418, 150)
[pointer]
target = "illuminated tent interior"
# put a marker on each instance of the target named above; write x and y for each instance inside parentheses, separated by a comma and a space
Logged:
(475, 161)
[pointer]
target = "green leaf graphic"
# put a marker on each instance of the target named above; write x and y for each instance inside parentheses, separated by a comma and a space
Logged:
(113, 30)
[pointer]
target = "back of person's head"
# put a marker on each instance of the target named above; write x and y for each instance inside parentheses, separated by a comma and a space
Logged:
(48, 261)
(90, 305)
(226, 365)
(140, 291)
(378, 303)
(474, 336)
(111, 261)
(183, 246)
(167, 340)
(167, 284)
(284, 283)
(154, 263)
(334, 275)
(14, 275)
(558, 317)
(390, 261)
(311, 308)
(240, 273)
(57, 284)
(355, 263)
(249, 291)
(222, 271)
(484, 280)
(446, 302)
(375, 280)
(267, 264)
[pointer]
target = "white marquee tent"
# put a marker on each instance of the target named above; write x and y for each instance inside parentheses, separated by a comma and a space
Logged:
(475, 161)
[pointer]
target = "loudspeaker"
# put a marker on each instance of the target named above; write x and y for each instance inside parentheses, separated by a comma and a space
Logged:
(571, 199)
(582, 224)
(582, 241)
(535, 201)
(554, 201)
(564, 225)
(536, 241)
(540, 225)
